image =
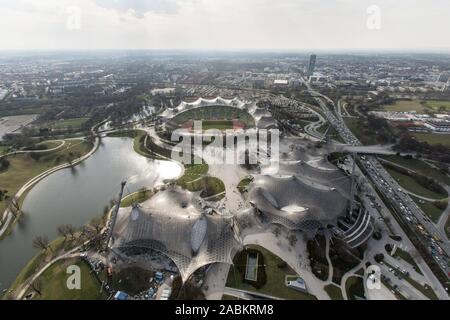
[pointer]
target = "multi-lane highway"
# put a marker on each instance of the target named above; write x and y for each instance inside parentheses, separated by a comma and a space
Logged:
(436, 242)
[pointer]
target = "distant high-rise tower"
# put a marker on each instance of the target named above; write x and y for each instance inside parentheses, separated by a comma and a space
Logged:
(312, 64)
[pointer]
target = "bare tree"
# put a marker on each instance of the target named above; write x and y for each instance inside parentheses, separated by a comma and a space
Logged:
(70, 230)
(292, 239)
(14, 207)
(37, 286)
(87, 233)
(41, 242)
(97, 225)
(62, 231)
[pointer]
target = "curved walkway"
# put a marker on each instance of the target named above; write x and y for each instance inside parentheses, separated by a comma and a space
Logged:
(63, 142)
(8, 215)
(26, 285)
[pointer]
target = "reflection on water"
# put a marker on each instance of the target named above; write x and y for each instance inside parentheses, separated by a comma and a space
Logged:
(77, 195)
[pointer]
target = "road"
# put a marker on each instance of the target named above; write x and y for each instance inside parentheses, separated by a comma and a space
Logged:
(63, 142)
(437, 243)
(248, 295)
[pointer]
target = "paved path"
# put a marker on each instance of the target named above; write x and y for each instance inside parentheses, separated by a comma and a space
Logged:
(8, 216)
(63, 142)
(248, 295)
(293, 257)
(26, 285)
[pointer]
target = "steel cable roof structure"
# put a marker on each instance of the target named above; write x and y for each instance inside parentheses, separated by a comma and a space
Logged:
(174, 223)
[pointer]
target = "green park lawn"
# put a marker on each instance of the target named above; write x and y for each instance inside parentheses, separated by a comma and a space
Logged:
(193, 172)
(358, 128)
(243, 184)
(438, 105)
(334, 292)
(433, 138)
(24, 167)
(406, 105)
(354, 287)
(74, 123)
(57, 246)
(418, 106)
(419, 167)
(408, 183)
(275, 270)
(54, 287)
(208, 185)
(136, 197)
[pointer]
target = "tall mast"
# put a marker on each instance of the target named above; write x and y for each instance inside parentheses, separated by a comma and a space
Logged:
(112, 221)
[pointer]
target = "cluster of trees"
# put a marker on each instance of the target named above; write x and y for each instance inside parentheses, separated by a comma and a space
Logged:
(19, 141)
(4, 164)
(3, 195)
(407, 143)
(381, 128)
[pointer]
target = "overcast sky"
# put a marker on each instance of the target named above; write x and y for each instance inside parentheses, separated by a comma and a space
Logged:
(225, 24)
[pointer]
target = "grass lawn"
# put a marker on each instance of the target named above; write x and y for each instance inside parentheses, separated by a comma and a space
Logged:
(408, 183)
(39, 260)
(75, 123)
(242, 186)
(49, 144)
(136, 197)
(437, 105)
(334, 292)
(208, 185)
(433, 212)
(419, 106)
(406, 105)
(3, 149)
(433, 138)
(399, 253)
(276, 272)
(420, 167)
(354, 287)
(54, 287)
(193, 172)
(23, 167)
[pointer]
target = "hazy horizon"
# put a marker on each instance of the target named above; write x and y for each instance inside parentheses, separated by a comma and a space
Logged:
(232, 25)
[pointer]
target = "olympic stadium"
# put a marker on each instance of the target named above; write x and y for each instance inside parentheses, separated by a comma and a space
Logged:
(218, 113)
